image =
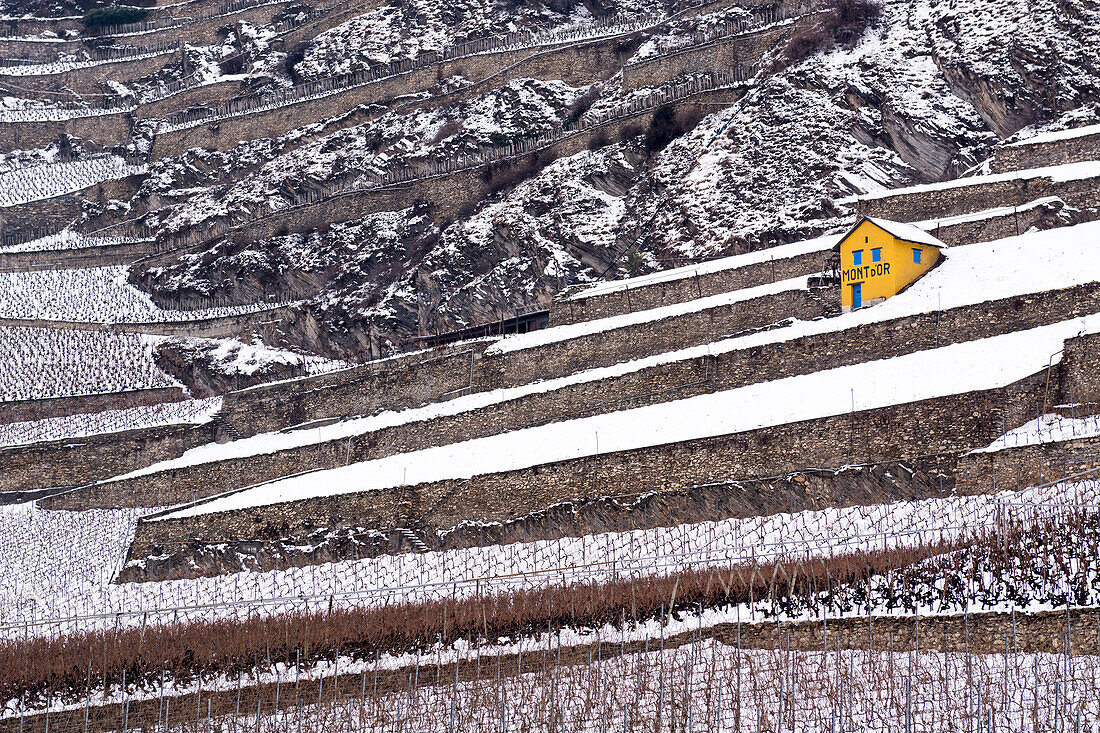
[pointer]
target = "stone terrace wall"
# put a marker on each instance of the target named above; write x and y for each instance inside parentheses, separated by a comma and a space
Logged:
(90, 80)
(654, 337)
(107, 130)
(24, 410)
(628, 300)
(930, 426)
(245, 324)
(185, 98)
(390, 384)
(1009, 224)
(409, 382)
(74, 461)
(649, 386)
(921, 205)
(1055, 152)
(743, 49)
(56, 212)
(575, 64)
(314, 28)
(1032, 465)
(22, 48)
(1081, 370)
(448, 195)
(204, 31)
(75, 259)
(980, 633)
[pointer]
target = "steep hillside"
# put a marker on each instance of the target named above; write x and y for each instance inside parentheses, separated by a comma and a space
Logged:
(912, 91)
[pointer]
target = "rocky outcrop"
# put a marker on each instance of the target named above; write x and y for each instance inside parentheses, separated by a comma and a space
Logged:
(209, 367)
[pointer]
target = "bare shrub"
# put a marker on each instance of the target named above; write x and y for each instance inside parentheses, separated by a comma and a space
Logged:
(77, 661)
(598, 140)
(449, 128)
(843, 23)
(582, 104)
(669, 123)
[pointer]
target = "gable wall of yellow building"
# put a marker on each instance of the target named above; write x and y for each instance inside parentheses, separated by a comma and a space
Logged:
(885, 278)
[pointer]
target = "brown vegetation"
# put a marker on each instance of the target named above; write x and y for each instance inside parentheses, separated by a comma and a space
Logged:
(844, 23)
(77, 662)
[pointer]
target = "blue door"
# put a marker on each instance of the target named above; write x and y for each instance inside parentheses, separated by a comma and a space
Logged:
(857, 295)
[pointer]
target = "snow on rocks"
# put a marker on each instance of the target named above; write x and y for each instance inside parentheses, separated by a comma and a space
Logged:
(395, 32)
(521, 109)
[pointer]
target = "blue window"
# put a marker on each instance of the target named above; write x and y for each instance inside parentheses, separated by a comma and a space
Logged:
(916, 256)
(876, 254)
(857, 257)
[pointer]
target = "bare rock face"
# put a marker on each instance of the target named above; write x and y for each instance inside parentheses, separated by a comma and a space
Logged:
(1018, 62)
(209, 367)
(921, 95)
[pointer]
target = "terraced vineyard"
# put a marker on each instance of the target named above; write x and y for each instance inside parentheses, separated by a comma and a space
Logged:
(484, 367)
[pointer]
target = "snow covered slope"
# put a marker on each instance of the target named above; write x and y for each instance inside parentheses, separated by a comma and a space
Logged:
(956, 369)
(1020, 265)
(911, 99)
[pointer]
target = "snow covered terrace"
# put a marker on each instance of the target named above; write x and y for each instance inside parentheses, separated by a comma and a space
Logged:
(1030, 263)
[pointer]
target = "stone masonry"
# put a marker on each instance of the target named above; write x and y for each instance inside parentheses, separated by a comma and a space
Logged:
(952, 200)
(655, 384)
(1055, 152)
(70, 462)
(930, 426)
(623, 300)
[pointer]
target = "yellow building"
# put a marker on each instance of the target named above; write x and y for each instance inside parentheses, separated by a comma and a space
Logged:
(878, 258)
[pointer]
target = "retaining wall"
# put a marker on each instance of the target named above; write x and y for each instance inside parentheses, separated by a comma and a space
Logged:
(1008, 224)
(930, 426)
(654, 337)
(447, 195)
(908, 205)
(649, 386)
(978, 633)
(628, 300)
(389, 384)
(107, 130)
(55, 213)
(244, 324)
(403, 383)
(1013, 468)
(743, 49)
(73, 461)
(309, 31)
(74, 259)
(204, 31)
(24, 410)
(1055, 152)
(186, 98)
(41, 49)
(90, 80)
(1081, 370)
(576, 64)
